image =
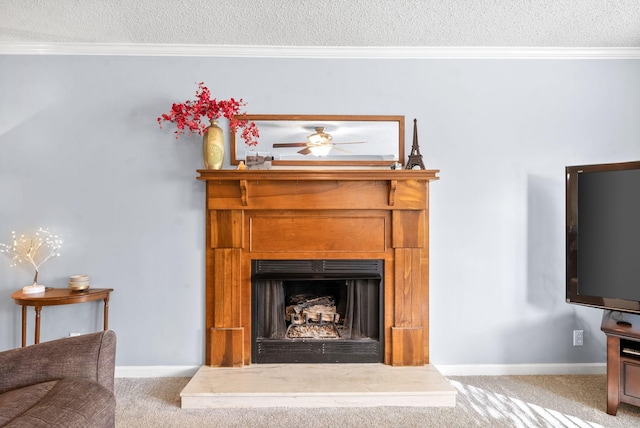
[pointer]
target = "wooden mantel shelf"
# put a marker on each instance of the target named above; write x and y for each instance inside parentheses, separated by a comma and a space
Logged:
(289, 214)
(323, 174)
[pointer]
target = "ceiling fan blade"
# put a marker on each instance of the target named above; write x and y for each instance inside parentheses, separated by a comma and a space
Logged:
(277, 145)
(305, 151)
(351, 142)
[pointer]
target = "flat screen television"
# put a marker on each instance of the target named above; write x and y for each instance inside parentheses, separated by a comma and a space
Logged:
(603, 236)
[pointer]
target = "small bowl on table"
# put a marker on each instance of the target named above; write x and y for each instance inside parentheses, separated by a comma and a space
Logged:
(79, 282)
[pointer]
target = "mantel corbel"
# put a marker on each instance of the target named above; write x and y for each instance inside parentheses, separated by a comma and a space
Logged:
(393, 185)
(244, 197)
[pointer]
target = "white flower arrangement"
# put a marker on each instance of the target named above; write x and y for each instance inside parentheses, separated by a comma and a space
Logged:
(34, 249)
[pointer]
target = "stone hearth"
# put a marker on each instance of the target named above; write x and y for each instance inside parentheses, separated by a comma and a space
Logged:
(317, 385)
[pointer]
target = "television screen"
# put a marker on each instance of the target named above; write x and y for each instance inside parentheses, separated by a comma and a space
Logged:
(603, 236)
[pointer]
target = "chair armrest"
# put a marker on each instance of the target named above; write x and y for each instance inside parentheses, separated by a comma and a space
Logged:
(89, 356)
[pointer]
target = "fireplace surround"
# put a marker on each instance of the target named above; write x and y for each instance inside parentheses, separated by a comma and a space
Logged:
(317, 215)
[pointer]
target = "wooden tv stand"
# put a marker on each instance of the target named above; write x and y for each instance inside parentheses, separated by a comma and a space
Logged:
(623, 359)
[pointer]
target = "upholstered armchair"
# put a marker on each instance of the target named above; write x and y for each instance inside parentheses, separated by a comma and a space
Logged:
(62, 383)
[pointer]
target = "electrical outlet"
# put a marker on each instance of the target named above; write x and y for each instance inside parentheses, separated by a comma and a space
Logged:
(578, 337)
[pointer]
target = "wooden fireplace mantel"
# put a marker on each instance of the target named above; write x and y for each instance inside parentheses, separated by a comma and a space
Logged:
(317, 214)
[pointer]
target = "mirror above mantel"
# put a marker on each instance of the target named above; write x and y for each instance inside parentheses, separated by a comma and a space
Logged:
(325, 140)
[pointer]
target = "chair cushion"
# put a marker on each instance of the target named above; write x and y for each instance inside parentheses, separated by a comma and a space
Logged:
(69, 402)
(18, 401)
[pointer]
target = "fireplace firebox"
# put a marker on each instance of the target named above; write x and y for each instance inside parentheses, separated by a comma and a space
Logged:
(317, 311)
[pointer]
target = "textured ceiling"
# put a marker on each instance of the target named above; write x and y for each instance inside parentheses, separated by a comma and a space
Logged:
(444, 23)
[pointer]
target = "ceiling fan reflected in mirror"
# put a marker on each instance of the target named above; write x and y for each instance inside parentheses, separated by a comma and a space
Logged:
(319, 144)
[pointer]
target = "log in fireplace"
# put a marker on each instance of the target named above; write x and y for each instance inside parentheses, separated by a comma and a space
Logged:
(318, 217)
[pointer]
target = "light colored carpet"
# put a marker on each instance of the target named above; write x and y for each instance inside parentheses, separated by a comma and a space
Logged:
(483, 401)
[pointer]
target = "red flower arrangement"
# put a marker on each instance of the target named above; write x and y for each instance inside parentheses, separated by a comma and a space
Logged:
(188, 115)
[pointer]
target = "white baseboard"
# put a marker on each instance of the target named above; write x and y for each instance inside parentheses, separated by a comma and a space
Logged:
(445, 370)
(521, 369)
(156, 371)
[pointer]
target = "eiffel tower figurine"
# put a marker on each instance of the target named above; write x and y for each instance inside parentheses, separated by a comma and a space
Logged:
(415, 158)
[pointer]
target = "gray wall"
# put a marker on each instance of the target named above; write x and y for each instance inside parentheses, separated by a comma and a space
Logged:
(82, 154)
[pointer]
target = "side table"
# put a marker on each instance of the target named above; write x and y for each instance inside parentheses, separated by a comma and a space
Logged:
(58, 296)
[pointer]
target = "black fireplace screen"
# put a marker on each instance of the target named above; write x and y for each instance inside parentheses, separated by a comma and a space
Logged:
(317, 311)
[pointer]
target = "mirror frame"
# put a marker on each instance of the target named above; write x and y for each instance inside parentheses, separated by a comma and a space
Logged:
(237, 151)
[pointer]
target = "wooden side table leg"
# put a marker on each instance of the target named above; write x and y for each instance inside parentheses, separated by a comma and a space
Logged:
(24, 326)
(106, 313)
(37, 334)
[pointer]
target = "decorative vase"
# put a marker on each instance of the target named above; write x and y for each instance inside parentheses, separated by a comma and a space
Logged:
(213, 146)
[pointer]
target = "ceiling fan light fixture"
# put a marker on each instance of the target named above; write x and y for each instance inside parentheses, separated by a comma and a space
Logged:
(320, 150)
(319, 137)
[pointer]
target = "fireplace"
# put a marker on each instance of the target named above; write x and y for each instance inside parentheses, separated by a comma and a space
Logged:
(320, 219)
(317, 311)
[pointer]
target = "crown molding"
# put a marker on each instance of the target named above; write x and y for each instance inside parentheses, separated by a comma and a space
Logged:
(344, 52)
